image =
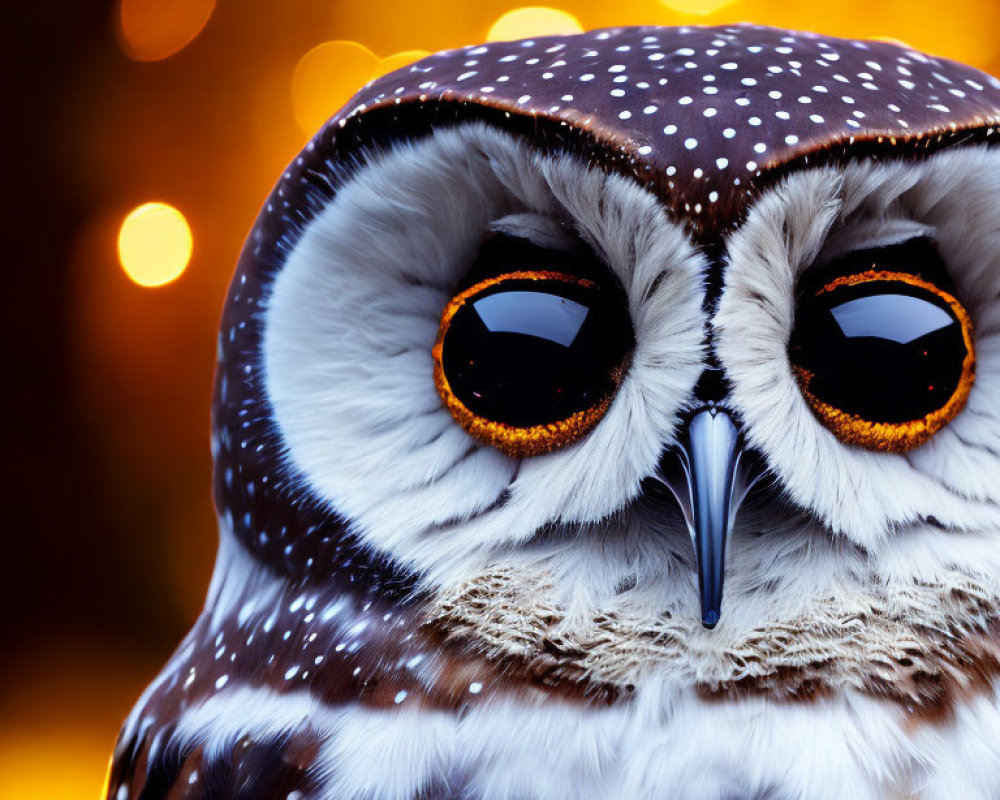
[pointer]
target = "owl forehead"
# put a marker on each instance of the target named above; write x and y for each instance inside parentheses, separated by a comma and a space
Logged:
(701, 115)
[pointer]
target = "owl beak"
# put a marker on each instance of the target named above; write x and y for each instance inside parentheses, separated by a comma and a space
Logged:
(714, 478)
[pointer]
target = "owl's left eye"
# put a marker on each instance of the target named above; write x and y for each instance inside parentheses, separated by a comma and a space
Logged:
(884, 355)
(529, 360)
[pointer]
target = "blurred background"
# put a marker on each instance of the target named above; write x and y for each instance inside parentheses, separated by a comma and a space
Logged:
(140, 138)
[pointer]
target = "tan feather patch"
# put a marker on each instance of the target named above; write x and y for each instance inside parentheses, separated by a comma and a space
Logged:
(922, 646)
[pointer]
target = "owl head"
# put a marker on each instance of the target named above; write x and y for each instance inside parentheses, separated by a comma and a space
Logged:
(538, 346)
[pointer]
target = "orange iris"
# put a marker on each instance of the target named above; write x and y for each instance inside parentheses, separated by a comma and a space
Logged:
(522, 440)
(895, 437)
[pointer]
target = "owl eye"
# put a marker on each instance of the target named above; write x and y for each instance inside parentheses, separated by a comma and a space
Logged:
(529, 360)
(883, 355)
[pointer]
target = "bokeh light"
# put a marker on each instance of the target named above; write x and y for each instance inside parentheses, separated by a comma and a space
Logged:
(154, 244)
(699, 8)
(892, 40)
(26, 770)
(326, 77)
(398, 61)
(533, 21)
(329, 74)
(151, 30)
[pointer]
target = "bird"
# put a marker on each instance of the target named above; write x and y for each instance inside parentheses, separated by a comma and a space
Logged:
(611, 415)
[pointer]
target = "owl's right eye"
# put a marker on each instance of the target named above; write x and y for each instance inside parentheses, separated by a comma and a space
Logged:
(529, 360)
(883, 350)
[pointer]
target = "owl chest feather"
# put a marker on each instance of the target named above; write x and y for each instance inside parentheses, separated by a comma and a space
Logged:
(497, 689)
(665, 741)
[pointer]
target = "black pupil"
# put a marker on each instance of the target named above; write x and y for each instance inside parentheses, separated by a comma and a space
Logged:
(884, 350)
(531, 352)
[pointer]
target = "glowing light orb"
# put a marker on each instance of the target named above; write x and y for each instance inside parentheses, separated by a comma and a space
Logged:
(151, 30)
(701, 8)
(326, 77)
(522, 23)
(892, 40)
(154, 244)
(397, 61)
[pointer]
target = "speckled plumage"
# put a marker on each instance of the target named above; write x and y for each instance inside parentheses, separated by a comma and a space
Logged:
(701, 115)
(309, 609)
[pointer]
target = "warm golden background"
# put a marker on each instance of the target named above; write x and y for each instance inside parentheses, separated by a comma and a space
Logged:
(108, 527)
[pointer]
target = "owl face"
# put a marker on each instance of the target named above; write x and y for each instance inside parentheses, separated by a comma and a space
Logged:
(453, 439)
(397, 460)
(538, 346)
(350, 356)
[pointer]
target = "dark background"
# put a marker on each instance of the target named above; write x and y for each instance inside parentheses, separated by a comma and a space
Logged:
(108, 532)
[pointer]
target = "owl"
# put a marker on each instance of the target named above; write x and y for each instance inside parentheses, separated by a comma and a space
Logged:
(609, 416)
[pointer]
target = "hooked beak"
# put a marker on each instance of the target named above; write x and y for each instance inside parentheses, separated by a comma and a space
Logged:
(714, 478)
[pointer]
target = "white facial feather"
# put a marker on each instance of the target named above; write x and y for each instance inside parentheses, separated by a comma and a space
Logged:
(354, 314)
(807, 218)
